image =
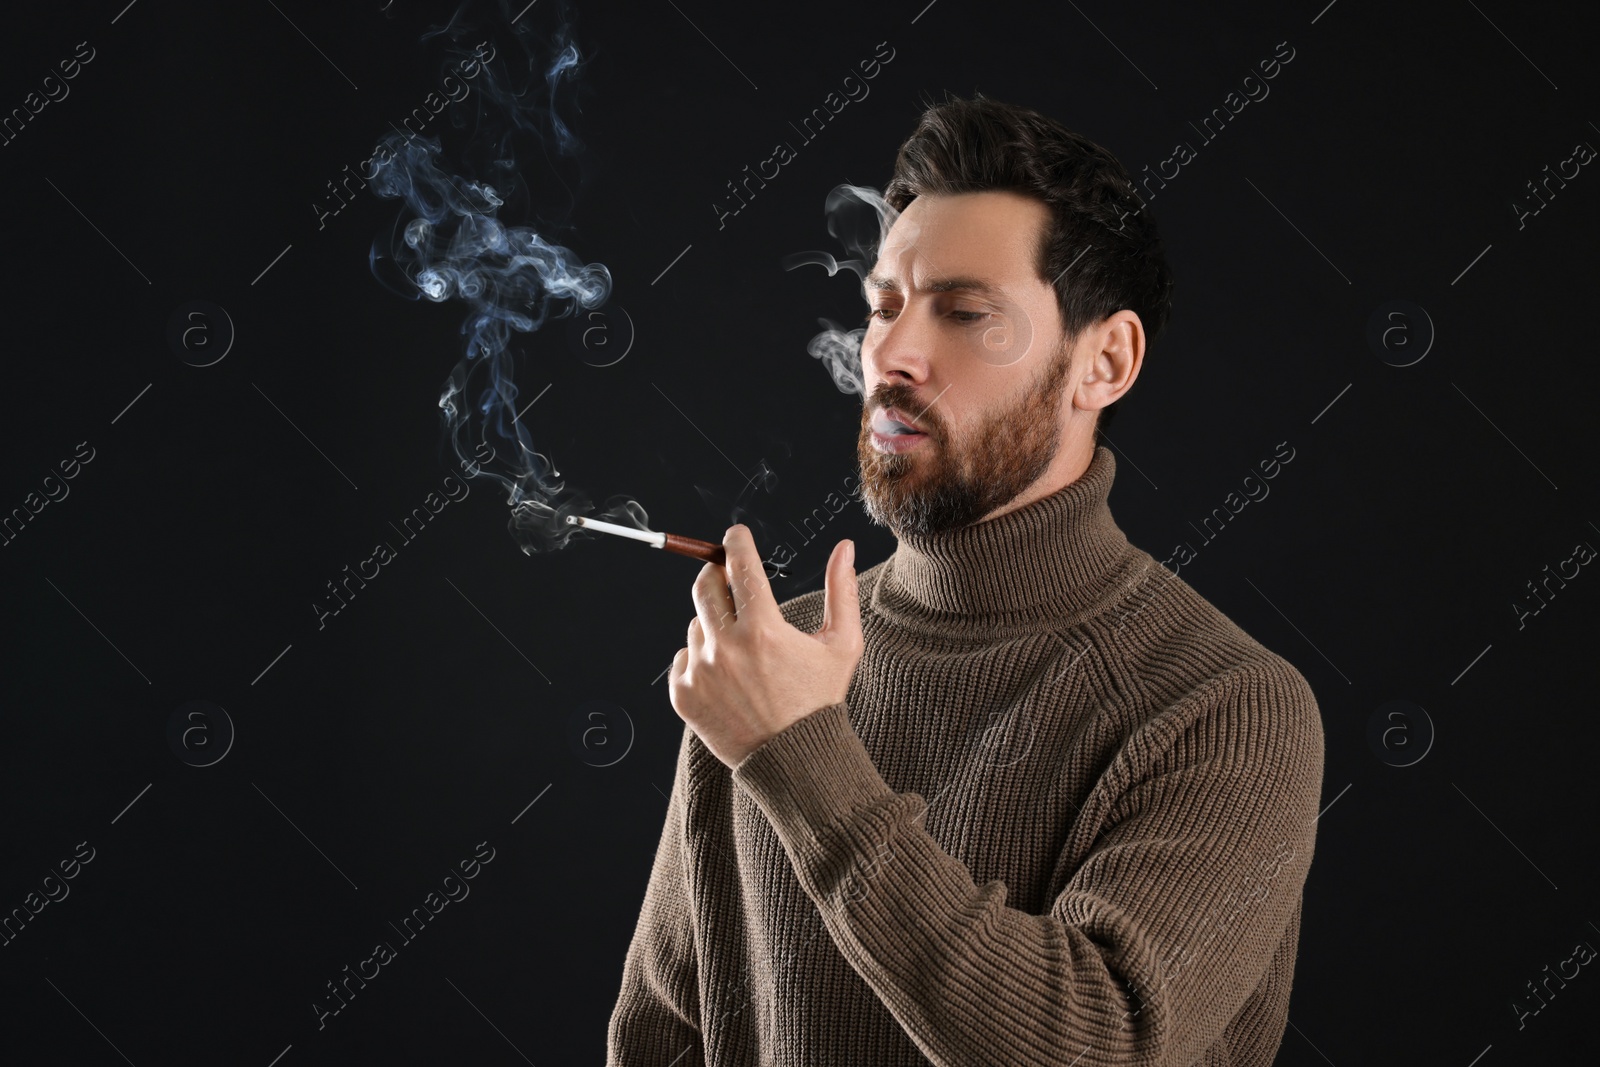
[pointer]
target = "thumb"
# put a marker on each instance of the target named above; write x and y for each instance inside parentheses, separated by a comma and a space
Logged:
(841, 606)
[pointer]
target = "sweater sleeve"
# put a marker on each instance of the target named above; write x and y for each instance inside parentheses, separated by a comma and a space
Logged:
(656, 1020)
(1168, 923)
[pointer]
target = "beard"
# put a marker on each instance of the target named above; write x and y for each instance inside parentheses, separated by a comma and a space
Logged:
(951, 481)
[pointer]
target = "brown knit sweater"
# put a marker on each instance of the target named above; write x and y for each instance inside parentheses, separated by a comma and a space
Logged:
(1064, 816)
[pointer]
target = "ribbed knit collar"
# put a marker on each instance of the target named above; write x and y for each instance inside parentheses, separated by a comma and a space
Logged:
(1045, 565)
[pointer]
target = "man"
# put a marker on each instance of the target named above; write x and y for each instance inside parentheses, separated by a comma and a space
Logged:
(1017, 794)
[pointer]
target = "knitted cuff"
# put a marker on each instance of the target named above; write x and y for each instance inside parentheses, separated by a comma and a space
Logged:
(813, 776)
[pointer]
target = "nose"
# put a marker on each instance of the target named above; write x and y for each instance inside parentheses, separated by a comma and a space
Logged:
(899, 349)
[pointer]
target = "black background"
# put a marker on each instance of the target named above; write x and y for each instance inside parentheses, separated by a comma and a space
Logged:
(375, 753)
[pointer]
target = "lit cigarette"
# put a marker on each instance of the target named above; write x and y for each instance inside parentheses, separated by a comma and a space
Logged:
(683, 546)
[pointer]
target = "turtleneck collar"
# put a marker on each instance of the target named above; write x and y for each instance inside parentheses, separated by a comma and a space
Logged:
(1047, 564)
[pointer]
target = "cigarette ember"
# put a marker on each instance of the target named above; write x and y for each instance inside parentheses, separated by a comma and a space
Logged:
(683, 546)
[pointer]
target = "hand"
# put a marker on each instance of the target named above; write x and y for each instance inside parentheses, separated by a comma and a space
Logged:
(747, 673)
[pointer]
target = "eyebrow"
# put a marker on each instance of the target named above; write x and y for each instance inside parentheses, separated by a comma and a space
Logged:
(884, 283)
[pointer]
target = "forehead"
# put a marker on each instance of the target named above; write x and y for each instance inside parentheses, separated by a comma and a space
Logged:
(992, 235)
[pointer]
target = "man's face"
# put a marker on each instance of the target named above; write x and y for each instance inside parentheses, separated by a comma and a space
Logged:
(964, 341)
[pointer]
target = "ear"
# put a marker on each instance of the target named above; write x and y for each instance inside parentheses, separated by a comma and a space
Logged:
(1114, 351)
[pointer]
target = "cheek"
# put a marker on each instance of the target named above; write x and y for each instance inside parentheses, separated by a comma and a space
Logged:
(1008, 341)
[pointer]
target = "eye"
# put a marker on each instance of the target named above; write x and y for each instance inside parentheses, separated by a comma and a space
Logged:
(960, 316)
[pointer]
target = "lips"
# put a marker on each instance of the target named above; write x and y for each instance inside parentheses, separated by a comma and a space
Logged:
(892, 422)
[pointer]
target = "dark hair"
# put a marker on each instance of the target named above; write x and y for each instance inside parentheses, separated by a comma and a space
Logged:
(1101, 229)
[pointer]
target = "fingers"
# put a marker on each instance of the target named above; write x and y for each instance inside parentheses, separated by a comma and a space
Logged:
(679, 668)
(713, 604)
(722, 594)
(747, 574)
(841, 609)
